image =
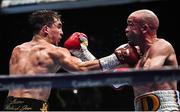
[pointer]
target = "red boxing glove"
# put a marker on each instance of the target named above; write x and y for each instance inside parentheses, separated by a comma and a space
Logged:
(77, 44)
(127, 54)
(75, 40)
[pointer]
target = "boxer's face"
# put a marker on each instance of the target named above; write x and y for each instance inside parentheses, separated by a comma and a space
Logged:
(55, 31)
(133, 32)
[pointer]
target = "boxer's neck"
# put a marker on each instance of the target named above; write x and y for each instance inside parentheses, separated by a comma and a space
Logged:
(39, 37)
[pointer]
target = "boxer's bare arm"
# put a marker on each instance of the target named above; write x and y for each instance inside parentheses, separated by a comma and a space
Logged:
(71, 63)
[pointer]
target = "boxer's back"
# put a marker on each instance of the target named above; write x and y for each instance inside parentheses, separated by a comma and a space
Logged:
(33, 58)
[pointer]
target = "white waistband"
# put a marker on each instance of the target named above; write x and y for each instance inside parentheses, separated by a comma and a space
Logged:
(158, 100)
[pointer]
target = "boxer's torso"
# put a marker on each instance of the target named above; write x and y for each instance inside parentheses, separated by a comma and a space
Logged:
(36, 57)
(155, 58)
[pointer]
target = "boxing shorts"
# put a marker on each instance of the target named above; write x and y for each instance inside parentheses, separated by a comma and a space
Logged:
(25, 104)
(163, 100)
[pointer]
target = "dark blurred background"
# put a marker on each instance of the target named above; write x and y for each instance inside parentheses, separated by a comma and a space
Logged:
(104, 25)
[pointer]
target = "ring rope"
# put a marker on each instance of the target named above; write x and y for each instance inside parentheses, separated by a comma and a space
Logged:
(88, 79)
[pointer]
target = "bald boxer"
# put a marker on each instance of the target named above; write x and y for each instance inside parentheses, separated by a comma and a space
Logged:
(141, 31)
(42, 55)
(142, 26)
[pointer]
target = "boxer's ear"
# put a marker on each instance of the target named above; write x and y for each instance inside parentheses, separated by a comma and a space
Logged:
(45, 29)
(144, 28)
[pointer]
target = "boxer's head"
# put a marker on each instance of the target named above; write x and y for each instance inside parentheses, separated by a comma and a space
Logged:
(47, 23)
(139, 24)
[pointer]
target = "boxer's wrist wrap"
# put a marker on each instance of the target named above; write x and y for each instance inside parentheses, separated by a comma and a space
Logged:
(109, 62)
(163, 100)
(83, 53)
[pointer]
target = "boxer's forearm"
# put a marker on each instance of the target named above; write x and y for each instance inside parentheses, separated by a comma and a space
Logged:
(91, 65)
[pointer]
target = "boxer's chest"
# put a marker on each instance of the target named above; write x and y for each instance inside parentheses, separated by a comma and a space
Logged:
(145, 61)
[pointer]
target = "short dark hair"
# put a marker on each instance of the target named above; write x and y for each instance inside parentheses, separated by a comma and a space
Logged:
(40, 18)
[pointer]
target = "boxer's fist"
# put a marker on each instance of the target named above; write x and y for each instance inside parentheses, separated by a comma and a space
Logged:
(75, 41)
(77, 44)
(127, 54)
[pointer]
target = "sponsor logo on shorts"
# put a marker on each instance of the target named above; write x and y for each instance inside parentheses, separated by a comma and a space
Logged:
(149, 102)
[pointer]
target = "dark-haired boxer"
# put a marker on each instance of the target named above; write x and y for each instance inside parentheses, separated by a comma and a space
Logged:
(42, 55)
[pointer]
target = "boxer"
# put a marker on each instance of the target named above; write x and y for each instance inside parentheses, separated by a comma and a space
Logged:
(41, 56)
(141, 30)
